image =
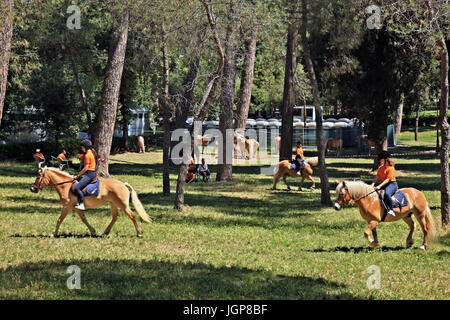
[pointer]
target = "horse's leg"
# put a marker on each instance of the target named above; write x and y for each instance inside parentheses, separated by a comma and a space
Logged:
(412, 226)
(285, 181)
(313, 183)
(83, 218)
(375, 238)
(64, 212)
(420, 216)
(276, 178)
(130, 214)
(301, 184)
(115, 215)
(372, 225)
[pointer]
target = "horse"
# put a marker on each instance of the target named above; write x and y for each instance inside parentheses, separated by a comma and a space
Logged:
(334, 144)
(202, 140)
(141, 145)
(251, 145)
(371, 210)
(113, 191)
(277, 143)
(284, 169)
(369, 143)
(242, 144)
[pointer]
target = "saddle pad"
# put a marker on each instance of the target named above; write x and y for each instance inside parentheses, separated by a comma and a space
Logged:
(92, 189)
(399, 199)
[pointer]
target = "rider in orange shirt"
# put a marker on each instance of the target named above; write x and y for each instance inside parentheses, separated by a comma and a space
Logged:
(90, 164)
(386, 175)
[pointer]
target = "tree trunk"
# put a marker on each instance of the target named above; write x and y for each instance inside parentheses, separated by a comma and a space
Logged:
(445, 136)
(110, 94)
(245, 91)
(325, 186)
(80, 87)
(181, 122)
(398, 117)
(6, 28)
(287, 107)
(165, 106)
(378, 148)
(416, 126)
(225, 167)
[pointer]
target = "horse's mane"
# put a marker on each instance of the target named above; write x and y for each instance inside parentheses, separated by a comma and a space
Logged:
(58, 171)
(357, 188)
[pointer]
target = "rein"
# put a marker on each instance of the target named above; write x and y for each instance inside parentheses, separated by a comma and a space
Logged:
(365, 195)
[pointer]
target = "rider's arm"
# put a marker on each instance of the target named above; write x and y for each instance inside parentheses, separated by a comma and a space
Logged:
(374, 180)
(381, 185)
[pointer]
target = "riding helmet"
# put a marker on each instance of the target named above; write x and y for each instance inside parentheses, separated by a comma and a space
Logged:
(86, 143)
(383, 155)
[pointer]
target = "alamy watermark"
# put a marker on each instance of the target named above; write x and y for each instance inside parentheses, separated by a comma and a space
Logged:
(374, 20)
(374, 280)
(74, 281)
(74, 20)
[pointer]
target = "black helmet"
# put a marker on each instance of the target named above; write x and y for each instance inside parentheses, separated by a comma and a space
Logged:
(383, 155)
(86, 143)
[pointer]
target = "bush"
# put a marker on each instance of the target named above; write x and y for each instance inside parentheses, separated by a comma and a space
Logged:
(24, 151)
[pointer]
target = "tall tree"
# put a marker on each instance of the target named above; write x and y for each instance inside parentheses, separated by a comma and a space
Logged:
(110, 94)
(287, 107)
(325, 186)
(224, 169)
(6, 28)
(165, 107)
(247, 74)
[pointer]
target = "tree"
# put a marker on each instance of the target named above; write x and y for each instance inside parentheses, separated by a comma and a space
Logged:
(287, 108)
(165, 107)
(6, 28)
(224, 169)
(325, 186)
(427, 21)
(110, 95)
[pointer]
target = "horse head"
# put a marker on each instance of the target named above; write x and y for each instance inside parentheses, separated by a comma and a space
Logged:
(41, 181)
(342, 195)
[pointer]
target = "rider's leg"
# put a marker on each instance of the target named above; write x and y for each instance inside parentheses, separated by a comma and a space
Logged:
(391, 188)
(87, 178)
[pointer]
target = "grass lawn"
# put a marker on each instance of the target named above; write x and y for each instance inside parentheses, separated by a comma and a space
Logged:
(236, 240)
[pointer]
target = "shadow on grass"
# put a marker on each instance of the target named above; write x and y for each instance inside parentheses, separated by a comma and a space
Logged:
(152, 279)
(61, 235)
(357, 249)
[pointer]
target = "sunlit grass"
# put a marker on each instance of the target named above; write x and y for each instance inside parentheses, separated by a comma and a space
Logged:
(233, 240)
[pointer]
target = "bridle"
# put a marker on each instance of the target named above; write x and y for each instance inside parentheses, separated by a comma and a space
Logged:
(366, 195)
(50, 185)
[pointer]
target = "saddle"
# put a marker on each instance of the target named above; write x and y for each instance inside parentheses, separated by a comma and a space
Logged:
(399, 200)
(92, 189)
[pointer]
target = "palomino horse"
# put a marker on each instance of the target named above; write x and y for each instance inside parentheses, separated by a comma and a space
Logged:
(371, 210)
(334, 144)
(204, 141)
(277, 143)
(284, 170)
(242, 144)
(113, 191)
(141, 144)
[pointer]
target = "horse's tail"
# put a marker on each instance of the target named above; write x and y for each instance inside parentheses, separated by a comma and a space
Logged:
(138, 205)
(313, 162)
(430, 226)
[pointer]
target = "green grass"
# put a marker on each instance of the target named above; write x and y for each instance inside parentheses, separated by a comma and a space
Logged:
(235, 240)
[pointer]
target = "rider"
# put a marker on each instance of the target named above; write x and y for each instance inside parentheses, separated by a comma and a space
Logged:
(299, 158)
(90, 163)
(386, 175)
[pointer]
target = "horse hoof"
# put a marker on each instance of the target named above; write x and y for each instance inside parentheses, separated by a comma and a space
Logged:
(422, 248)
(375, 245)
(139, 235)
(409, 245)
(52, 235)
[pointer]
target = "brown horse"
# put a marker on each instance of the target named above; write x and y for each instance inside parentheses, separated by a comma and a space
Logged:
(371, 210)
(113, 191)
(334, 144)
(204, 141)
(141, 144)
(284, 170)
